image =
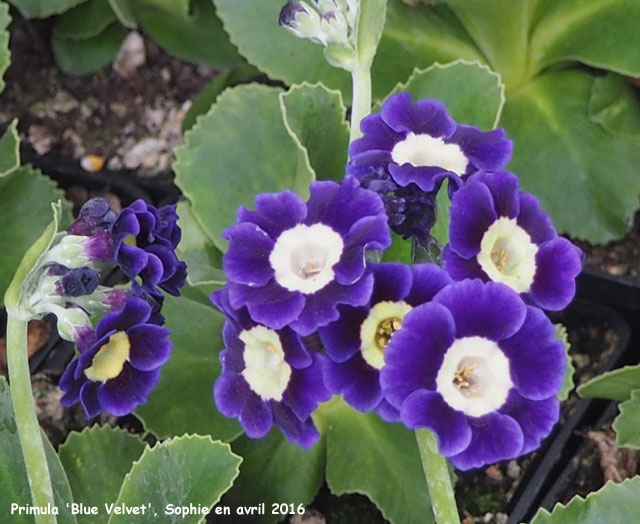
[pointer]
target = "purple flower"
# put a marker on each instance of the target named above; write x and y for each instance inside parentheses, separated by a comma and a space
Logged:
(268, 377)
(95, 217)
(291, 263)
(356, 342)
(480, 369)
(500, 233)
(144, 242)
(119, 363)
(419, 143)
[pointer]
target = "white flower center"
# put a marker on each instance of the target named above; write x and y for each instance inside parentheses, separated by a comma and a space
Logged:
(265, 369)
(384, 319)
(507, 255)
(304, 256)
(474, 377)
(429, 151)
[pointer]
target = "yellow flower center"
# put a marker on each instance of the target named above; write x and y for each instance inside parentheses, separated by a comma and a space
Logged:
(384, 319)
(110, 358)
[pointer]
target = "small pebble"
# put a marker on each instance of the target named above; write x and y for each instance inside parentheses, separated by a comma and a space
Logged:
(92, 163)
(513, 469)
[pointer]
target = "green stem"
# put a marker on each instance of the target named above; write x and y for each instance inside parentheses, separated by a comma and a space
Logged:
(26, 420)
(436, 472)
(361, 105)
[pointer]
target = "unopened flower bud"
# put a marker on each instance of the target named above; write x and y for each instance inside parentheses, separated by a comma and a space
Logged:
(70, 320)
(75, 251)
(96, 216)
(303, 21)
(334, 26)
(78, 282)
(324, 6)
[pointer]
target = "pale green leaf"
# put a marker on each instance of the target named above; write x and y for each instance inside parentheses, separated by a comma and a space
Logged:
(567, 384)
(187, 470)
(110, 451)
(614, 385)
(10, 149)
(5, 55)
(612, 504)
(239, 149)
(567, 161)
(124, 12)
(182, 402)
(380, 460)
(315, 118)
(43, 8)
(627, 423)
(84, 21)
(371, 18)
(615, 105)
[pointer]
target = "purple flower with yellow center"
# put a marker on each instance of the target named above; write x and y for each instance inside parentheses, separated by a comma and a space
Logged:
(119, 362)
(291, 263)
(419, 143)
(268, 377)
(144, 241)
(480, 369)
(356, 342)
(500, 233)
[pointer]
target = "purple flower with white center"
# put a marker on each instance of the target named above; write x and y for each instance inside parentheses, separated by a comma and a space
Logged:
(268, 377)
(419, 143)
(480, 369)
(500, 233)
(144, 241)
(356, 342)
(291, 263)
(119, 363)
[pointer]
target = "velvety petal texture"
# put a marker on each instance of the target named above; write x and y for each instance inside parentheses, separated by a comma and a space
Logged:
(499, 233)
(116, 373)
(292, 263)
(480, 369)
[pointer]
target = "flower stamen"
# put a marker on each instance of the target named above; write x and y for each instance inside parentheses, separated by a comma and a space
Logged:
(385, 329)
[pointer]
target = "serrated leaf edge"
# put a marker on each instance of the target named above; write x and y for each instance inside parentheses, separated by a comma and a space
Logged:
(96, 428)
(603, 377)
(12, 129)
(622, 407)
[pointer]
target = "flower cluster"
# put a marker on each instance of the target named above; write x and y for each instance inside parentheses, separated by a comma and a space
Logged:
(120, 359)
(465, 350)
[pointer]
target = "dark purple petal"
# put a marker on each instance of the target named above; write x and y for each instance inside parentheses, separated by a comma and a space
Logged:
(423, 117)
(256, 417)
(150, 346)
(427, 178)
(135, 311)
(247, 260)
(504, 190)
(122, 394)
(495, 437)
(321, 198)
(387, 412)
(95, 216)
(132, 260)
(341, 339)
(472, 212)
(536, 358)
(536, 418)
(368, 162)
(357, 381)
(230, 393)
(376, 135)
(295, 352)
(173, 284)
(125, 225)
(89, 399)
(428, 280)
(152, 272)
(391, 282)
(275, 213)
(489, 150)
(99, 248)
(414, 354)
(427, 409)
(491, 310)
(460, 268)
(303, 433)
(306, 389)
(535, 221)
(558, 263)
(70, 385)
(271, 305)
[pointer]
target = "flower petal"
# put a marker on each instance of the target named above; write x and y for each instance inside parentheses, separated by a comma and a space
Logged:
(426, 116)
(355, 380)
(121, 395)
(428, 280)
(256, 417)
(489, 150)
(247, 259)
(135, 311)
(472, 212)
(275, 212)
(230, 393)
(460, 268)
(341, 338)
(150, 347)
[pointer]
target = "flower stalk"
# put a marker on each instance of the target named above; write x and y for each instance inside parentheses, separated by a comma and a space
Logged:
(26, 420)
(436, 473)
(361, 106)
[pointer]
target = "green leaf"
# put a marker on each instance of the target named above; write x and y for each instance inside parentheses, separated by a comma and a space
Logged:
(14, 485)
(182, 402)
(275, 471)
(627, 423)
(96, 461)
(400, 250)
(613, 385)
(175, 7)
(315, 119)
(237, 150)
(124, 12)
(371, 17)
(24, 190)
(612, 504)
(43, 8)
(197, 37)
(416, 37)
(253, 28)
(614, 105)
(567, 384)
(181, 471)
(473, 93)
(369, 456)
(10, 149)
(84, 21)
(204, 261)
(5, 55)
(207, 96)
(567, 161)
(600, 33)
(440, 230)
(82, 57)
